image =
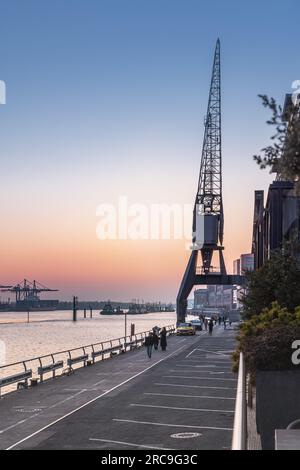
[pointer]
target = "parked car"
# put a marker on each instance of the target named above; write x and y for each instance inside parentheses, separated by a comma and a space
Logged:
(197, 324)
(185, 329)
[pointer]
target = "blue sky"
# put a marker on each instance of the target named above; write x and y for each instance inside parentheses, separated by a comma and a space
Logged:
(108, 97)
(139, 69)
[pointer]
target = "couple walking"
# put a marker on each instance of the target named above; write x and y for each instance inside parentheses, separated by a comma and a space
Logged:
(153, 340)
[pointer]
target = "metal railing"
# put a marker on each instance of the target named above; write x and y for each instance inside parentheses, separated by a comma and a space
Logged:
(239, 437)
(124, 344)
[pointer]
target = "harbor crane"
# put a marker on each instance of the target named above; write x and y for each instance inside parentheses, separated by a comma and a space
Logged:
(208, 216)
(27, 291)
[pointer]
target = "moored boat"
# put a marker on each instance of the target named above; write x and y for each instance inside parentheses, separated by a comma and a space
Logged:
(109, 310)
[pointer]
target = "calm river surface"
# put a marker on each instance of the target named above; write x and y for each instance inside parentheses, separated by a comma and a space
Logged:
(49, 332)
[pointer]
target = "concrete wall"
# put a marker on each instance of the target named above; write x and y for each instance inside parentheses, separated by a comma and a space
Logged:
(277, 403)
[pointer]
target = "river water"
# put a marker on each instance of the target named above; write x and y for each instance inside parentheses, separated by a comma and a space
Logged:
(49, 332)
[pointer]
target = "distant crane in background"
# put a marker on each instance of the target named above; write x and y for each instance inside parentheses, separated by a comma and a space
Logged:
(27, 292)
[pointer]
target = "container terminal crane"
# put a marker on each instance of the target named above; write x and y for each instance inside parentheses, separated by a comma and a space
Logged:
(27, 296)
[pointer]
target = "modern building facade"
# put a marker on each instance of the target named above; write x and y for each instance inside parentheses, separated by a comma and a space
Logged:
(215, 296)
(279, 219)
(237, 266)
(243, 264)
(247, 263)
(200, 298)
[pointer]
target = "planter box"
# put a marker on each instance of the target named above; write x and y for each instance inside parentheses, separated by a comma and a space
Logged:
(277, 403)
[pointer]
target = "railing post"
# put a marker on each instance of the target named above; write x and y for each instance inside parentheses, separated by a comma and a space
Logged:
(68, 352)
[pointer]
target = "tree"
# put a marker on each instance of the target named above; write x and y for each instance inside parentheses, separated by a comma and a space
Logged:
(283, 155)
(278, 280)
(266, 340)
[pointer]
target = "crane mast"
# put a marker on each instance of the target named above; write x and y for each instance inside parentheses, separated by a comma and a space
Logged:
(208, 220)
(208, 217)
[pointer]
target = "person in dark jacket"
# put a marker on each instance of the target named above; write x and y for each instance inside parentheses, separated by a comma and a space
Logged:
(155, 340)
(149, 344)
(210, 326)
(163, 339)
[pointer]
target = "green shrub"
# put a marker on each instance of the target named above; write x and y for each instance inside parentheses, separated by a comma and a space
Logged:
(266, 340)
(277, 280)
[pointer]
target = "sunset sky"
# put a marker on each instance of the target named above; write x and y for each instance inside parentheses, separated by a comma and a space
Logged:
(107, 98)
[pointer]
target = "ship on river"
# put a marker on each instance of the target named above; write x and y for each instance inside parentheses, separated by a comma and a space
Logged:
(136, 309)
(109, 310)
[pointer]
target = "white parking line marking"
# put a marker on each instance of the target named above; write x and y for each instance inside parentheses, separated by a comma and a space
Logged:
(210, 372)
(188, 396)
(74, 389)
(208, 357)
(172, 425)
(196, 378)
(206, 360)
(178, 408)
(97, 383)
(216, 352)
(204, 366)
(67, 399)
(203, 362)
(18, 423)
(190, 353)
(41, 412)
(196, 386)
(93, 399)
(129, 444)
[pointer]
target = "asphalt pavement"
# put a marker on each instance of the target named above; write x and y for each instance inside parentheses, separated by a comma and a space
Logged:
(182, 399)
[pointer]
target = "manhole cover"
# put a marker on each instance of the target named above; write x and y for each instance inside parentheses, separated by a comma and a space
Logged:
(186, 435)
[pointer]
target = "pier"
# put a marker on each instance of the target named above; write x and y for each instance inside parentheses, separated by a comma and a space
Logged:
(182, 398)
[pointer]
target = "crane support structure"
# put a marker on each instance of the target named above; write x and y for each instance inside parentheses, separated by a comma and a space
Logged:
(208, 217)
(27, 292)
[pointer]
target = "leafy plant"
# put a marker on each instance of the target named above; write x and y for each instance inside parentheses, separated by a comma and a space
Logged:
(272, 300)
(266, 339)
(277, 280)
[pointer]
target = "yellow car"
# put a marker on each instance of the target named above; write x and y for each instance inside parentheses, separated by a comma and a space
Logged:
(185, 329)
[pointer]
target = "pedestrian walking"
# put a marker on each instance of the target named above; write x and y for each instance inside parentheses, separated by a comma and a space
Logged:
(156, 330)
(210, 327)
(163, 339)
(149, 344)
(155, 340)
(205, 324)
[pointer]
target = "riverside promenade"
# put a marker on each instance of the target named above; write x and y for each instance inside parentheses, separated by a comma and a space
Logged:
(183, 398)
